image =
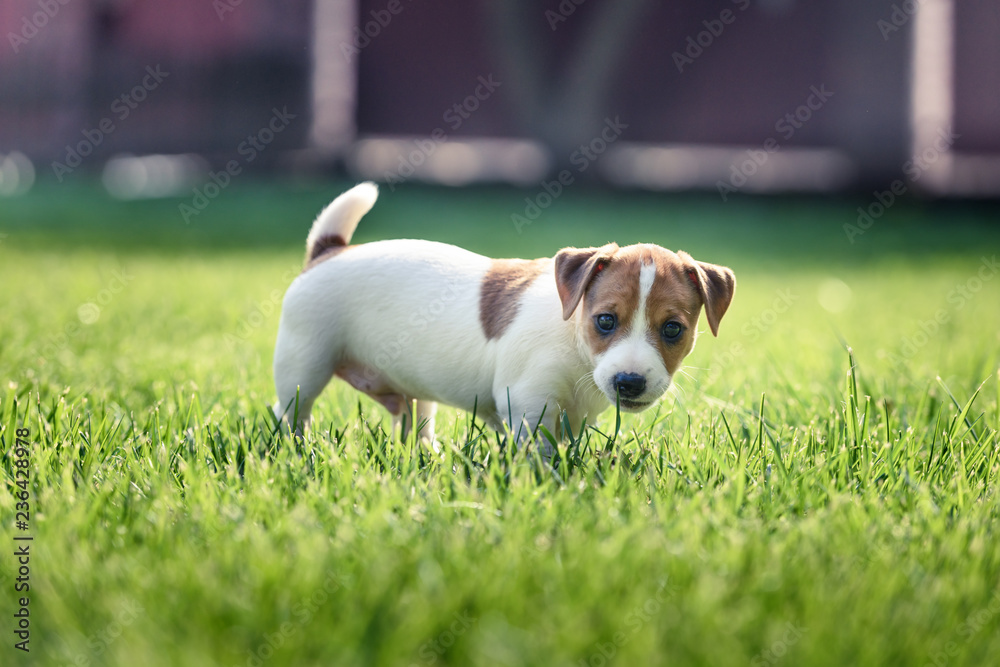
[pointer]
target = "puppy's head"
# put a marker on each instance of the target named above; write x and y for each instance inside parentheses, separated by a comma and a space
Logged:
(637, 308)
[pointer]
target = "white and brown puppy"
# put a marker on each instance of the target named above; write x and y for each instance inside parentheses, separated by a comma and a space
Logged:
(410, 320)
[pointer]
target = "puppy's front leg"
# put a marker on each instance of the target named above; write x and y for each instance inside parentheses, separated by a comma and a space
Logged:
(522, 411)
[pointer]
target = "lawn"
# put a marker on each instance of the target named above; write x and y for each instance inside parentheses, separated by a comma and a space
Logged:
(819, 489)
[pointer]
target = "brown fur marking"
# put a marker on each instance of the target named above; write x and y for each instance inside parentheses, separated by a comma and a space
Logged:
(326, 247)
(673, 298)
(501, 289)
(325, 243)
(715, 284)
(575, 269)
(615, 290)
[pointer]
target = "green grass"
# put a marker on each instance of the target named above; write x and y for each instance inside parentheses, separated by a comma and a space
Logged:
(785, 505)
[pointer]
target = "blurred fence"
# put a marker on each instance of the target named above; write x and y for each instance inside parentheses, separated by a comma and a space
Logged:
(733, 95)
(68, 65)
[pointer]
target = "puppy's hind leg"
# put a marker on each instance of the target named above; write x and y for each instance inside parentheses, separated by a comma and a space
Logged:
(421, 417)
(303, 366)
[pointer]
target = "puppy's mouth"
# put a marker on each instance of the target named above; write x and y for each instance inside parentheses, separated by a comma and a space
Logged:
(633, 405)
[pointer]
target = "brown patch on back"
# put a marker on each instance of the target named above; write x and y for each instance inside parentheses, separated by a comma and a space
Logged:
(501, 289)
(326, 247)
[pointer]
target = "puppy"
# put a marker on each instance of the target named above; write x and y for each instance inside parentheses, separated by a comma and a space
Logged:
(519, 340)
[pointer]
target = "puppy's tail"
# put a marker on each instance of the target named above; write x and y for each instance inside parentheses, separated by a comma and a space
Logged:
(335, 226)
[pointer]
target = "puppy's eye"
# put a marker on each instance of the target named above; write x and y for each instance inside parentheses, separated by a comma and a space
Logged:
(606, 322)
(671, 331)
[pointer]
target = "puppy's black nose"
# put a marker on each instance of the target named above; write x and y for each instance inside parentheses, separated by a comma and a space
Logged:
(630, 385)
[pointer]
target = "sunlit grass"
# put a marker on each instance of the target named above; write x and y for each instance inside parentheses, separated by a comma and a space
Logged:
(812, 492)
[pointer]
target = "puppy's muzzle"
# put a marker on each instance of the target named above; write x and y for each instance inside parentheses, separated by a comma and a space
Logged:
(629, 385)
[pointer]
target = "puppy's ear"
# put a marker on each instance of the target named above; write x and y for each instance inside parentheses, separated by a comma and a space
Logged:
(575, 268)
(715, 284)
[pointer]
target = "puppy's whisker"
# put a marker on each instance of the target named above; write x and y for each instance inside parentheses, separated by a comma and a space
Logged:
(585, 383)
(583, 380)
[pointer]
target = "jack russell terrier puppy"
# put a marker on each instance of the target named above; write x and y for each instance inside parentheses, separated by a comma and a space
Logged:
(517, 340)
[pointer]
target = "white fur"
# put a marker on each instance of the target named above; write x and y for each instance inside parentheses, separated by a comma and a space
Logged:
(342, 215)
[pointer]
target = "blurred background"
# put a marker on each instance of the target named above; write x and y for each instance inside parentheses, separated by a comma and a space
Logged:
(167, 99)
